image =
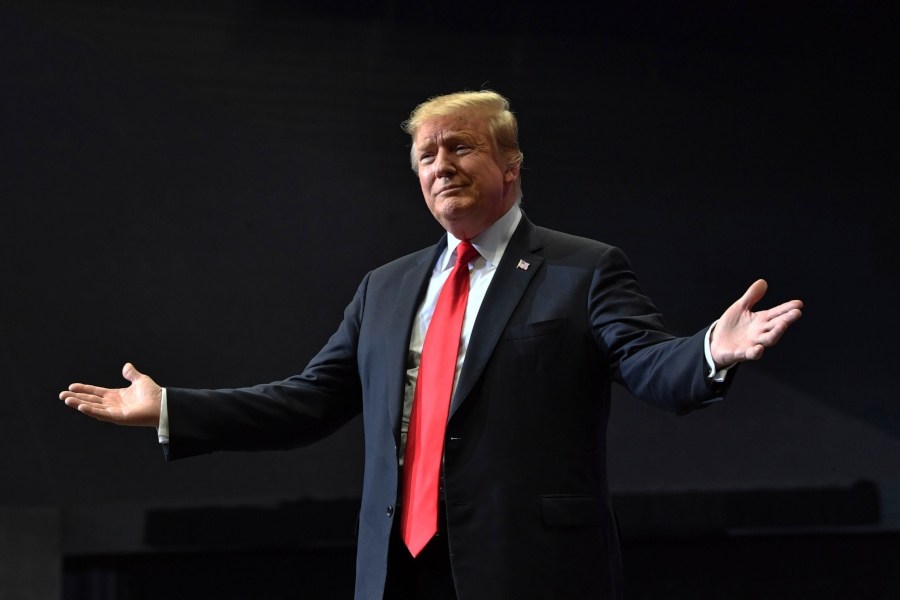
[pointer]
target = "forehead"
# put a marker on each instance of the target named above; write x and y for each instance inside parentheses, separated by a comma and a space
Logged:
(439, 129)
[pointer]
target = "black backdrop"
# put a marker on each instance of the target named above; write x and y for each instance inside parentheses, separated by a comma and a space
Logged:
(199, 187)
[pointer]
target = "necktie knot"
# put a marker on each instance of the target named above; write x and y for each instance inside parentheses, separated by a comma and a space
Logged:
(465, 252)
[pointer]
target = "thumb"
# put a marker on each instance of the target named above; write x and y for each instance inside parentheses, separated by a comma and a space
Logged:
(754, 294)
(130, 373)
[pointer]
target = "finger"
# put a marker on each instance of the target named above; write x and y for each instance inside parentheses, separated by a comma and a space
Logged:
(83, 388)
(779, 322)
(776, 328)
(790, 311)
(793, 315)
(755, 352)
(101, 413)
(72, 399)
(785, 308)
(788, 317)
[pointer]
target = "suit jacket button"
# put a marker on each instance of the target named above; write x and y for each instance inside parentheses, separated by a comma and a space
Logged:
(390, 511)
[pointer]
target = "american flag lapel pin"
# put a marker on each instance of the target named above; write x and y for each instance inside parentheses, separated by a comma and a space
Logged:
(523, 265)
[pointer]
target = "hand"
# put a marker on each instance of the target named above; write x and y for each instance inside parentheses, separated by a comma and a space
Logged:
(741, 334)
(137, 404)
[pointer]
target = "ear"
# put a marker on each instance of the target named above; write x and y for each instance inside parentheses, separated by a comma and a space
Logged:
(511, 173)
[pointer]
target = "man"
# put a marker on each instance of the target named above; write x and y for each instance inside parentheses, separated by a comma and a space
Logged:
(550, 320)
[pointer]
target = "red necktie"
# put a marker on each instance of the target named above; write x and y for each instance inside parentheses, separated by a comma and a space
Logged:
(431, 407)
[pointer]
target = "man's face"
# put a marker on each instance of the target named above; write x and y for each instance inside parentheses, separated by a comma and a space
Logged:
(466, 183)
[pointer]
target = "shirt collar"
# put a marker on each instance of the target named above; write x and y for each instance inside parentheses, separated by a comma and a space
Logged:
(490, 243)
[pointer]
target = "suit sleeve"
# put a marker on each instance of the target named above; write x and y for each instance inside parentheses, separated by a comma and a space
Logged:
(279, 415)
(666, 371)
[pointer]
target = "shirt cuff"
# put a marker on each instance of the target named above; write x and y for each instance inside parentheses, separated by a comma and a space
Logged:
(715, 375)
(163, 430)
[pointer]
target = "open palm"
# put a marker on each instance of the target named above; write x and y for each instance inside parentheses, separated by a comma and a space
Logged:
(137, 404)
(741, 334)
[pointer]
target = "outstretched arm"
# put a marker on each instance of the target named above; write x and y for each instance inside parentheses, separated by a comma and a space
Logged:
(137, 404)
(741, 334)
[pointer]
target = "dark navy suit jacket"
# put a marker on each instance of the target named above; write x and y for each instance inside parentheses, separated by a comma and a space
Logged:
(525, 481)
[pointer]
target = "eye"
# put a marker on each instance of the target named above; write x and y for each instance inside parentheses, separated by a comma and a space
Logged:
(426, 159)
(463, 149)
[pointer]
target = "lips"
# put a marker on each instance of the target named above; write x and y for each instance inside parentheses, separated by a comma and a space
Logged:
(449, 189)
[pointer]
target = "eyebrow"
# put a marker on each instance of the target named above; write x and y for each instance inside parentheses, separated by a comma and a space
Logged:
(449, 137)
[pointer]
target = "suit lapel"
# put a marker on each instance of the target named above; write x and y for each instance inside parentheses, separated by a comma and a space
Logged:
(408, 297)
(516, 270)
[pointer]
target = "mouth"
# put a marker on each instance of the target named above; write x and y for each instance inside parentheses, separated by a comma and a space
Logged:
(448, 190)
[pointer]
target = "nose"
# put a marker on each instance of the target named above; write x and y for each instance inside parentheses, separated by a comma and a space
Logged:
(444, 163)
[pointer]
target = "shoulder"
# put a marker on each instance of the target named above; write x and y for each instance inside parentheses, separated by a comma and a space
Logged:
(403, 274)
(538, 238)
(404, 263)
(559, 246)
(561, 239)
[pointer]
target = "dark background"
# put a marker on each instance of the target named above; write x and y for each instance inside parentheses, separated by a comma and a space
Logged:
(198, 187)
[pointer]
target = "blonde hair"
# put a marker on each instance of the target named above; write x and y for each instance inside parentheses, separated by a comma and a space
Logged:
(485, 104)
